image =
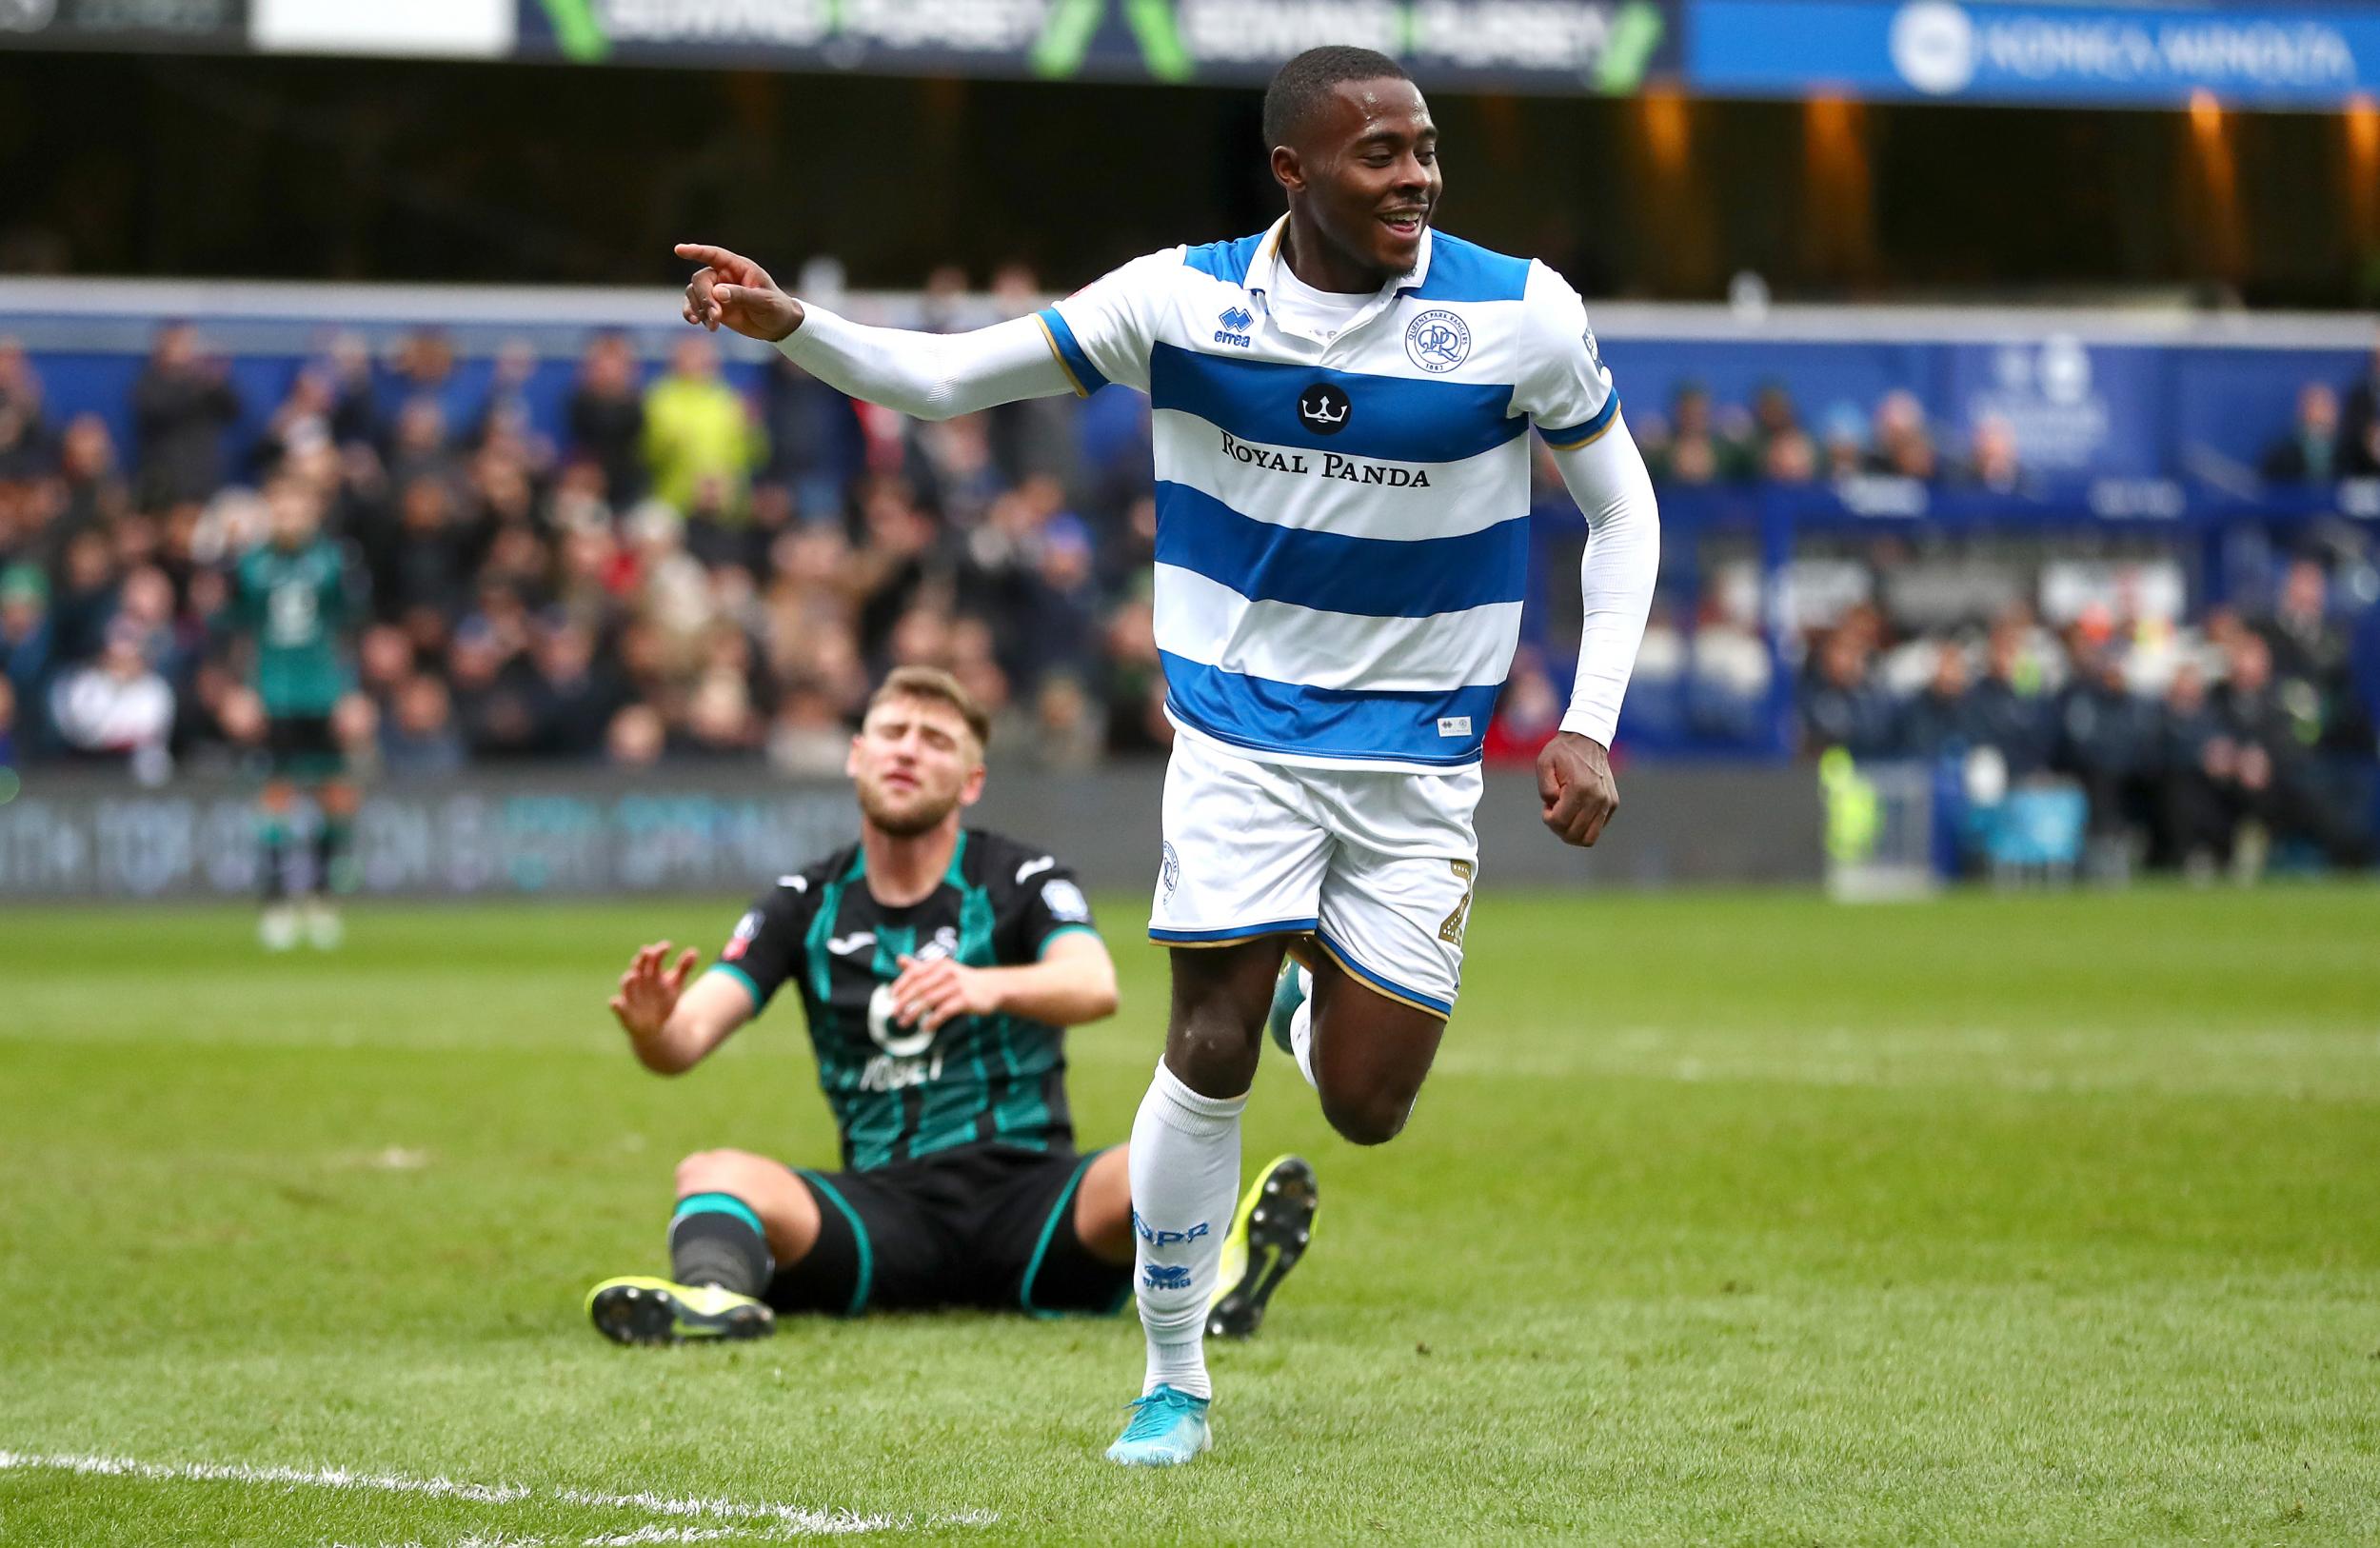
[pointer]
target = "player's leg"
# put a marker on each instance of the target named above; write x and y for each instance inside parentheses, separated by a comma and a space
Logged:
(1268, 1235)
(1242, 868)
(1369, 1053)
(275, 809)
(1290, 1022)
(1186, 1149)
(335, 802)
(1047, 1234)
(739, 1219)
(1102, 1206)
(1394, 906)
(1185, 1174)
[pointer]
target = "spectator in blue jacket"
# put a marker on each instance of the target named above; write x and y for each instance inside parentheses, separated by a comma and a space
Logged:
(2111, 740)
(2006, 711)
(1844, 706)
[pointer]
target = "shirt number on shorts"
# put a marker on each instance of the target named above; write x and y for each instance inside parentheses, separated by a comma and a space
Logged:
(1450, 929)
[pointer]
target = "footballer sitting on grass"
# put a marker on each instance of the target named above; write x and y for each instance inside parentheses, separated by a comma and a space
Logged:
(936, 965)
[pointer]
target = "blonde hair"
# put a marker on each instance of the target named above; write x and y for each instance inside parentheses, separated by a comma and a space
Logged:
(933, 683)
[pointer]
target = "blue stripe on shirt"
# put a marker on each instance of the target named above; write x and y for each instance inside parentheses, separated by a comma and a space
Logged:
(1265, 716)
(1579, 434)
(1462, 270)
(1370, 577)
(1392, 418)
(1086, 375)
(1227, 261)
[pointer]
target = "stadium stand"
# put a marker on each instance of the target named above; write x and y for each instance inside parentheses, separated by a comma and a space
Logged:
(629, 549)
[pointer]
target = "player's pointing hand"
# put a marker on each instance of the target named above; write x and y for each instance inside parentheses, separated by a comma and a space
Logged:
(733, 289)
(648, 992)
(1575, 784)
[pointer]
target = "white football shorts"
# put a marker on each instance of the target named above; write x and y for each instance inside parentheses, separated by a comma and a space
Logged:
(1378, 866)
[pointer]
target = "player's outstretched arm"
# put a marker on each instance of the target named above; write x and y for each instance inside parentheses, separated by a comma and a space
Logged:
(1608, 479)
(672, 1027)
(1074, 983)
(925, 375)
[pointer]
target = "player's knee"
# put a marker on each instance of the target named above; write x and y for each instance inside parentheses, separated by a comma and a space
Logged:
(1214, 1056)
(710, 1171)
(1371, 1117)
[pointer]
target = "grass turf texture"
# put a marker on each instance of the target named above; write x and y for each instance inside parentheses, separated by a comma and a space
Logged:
(1725, 1219)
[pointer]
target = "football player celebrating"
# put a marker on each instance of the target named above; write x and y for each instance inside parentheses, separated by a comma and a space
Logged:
(1339, 409)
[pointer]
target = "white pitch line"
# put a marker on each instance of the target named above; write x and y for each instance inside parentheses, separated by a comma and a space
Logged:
(797, 1516)
(780, 1520)
(332, 1478)
(643, 1536)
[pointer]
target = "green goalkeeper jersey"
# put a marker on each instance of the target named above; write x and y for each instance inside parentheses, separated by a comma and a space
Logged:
(296, 603)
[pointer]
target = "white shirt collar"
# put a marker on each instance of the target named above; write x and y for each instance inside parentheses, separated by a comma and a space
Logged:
(1268, 255)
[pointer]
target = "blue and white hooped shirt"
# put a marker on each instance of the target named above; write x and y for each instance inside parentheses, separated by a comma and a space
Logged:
(1342, 524)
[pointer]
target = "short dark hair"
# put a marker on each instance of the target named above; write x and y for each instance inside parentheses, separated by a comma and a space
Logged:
(934, 684)
(1302, 85)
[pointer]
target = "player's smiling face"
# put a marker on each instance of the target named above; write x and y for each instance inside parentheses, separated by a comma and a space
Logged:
(1366, 177)
(914, 763)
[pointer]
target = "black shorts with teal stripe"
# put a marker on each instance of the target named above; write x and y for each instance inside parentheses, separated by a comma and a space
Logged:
(988, 1227)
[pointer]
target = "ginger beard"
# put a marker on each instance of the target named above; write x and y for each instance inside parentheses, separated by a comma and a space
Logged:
(913, 764)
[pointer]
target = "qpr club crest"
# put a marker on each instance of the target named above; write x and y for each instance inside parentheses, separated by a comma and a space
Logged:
(1438, 341)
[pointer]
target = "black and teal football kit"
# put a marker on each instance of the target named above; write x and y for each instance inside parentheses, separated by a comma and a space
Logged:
(297, 604)
(959, 1169)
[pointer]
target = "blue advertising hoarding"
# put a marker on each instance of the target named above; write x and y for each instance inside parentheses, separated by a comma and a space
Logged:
(1993, 50)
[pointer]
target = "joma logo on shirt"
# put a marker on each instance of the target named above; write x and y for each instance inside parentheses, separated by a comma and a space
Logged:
(1388, 475)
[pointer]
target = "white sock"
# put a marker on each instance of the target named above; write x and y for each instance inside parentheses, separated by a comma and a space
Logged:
(1185, 1179)
(1301, 1028)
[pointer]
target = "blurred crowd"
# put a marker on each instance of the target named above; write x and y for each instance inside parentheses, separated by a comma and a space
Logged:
(1699, 440)
(696, 569)
(2196, 749)
(689, 571)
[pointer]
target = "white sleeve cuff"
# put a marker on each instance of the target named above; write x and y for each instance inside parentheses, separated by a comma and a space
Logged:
(1595, 720)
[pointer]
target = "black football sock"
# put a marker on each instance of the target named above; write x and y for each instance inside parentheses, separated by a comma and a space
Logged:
(332, 843)
(273, 857)
(715, 1239)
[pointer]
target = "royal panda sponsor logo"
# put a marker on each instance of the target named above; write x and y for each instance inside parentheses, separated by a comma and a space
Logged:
(1325, 465)
(1324, 409)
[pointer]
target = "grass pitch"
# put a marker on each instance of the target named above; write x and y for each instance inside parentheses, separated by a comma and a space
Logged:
(1725, 1219)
